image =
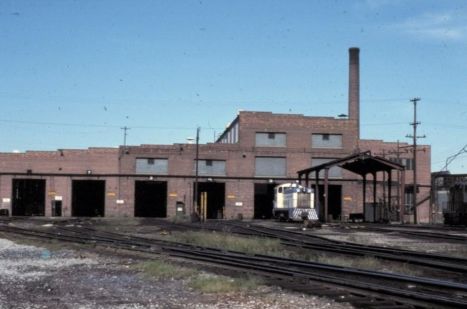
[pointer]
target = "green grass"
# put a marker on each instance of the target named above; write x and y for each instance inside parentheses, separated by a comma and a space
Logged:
(203, 282)
(221, 284)
(160, 269)
(250, 245)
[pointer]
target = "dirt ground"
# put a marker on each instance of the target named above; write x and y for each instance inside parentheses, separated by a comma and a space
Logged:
(32, 276)
(57, 276)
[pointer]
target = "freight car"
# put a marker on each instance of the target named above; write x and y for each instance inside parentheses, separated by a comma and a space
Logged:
(294, 202)
(456, 212)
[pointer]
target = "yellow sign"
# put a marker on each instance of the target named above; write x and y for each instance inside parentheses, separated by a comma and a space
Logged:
(173, 194)
(230, 196)
(52, 193)
(111, 194)
(347, 198)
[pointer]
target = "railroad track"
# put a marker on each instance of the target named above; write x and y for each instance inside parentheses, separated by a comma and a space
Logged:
(362, 288)
(412, 232)
(314, 242)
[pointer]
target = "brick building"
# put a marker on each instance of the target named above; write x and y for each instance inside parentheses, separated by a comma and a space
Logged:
(257, 151)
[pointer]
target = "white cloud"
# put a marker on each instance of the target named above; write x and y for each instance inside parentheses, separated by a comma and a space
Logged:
(439, 26)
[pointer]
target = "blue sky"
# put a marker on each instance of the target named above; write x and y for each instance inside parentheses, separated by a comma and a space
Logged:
(75, 72)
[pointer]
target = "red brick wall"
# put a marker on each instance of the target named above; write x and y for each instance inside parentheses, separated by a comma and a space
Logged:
(240, 162)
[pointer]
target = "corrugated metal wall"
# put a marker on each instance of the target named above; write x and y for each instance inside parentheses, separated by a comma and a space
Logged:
(151, 166)
(326, 140)
(270, 140)
(270, 166)
(211, 167)
(334, 171)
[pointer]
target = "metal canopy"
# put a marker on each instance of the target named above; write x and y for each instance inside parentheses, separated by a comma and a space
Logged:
(362, 163)
(370, 165)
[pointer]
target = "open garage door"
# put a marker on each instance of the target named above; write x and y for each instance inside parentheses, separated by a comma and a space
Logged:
(334, 200)
(88, 198)
(151, 199)
(264, 197)
(28, 197)
(215, 198)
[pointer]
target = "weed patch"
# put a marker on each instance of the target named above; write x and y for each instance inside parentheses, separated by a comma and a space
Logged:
(221, 284)
(160, 269)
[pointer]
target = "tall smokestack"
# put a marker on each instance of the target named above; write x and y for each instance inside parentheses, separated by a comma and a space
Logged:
(354, 87)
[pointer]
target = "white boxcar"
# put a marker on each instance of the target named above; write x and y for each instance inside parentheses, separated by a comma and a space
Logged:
(294, 202)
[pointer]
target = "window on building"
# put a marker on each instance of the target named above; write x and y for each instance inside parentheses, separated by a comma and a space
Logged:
(270, 166)
(155, 166)
(408, 163)
(334, 172)
(408, 200)
(270, 139)
(211, 167)
(442, 198)
(326, 141)
(230, 136)
(396, 160)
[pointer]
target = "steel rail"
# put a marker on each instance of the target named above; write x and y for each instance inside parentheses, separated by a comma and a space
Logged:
(242, 259)
(284, 270)
(298, 239)
(402, 230)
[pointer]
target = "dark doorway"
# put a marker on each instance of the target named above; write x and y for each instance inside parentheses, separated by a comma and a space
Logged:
(88, 198)
(56, 208)
(151, 199)
(216, 198)
(334, 201)
(28, 197)
(264, 197)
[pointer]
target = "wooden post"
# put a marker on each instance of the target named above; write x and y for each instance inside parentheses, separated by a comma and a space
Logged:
(374, 197)
(402, 197)
(204, 202)
(389, 188)
(364, 196)
(317, 206)
(326, 205)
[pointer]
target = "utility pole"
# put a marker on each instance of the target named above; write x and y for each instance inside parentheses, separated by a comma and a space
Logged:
(125, 129)
(398, 153)
(195, 193)
(414, 143)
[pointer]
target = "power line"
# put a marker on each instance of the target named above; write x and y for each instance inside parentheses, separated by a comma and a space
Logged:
(453, 157)
(99, 125)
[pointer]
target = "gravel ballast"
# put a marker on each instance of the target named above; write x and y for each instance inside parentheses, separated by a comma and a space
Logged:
(36, 277)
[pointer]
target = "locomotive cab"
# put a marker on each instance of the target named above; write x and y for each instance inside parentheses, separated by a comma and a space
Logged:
(294, 202)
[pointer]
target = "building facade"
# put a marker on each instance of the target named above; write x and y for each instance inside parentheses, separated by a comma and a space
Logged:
(236, 174)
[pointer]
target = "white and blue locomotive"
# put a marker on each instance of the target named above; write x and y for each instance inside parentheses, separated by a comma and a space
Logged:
(294, 202)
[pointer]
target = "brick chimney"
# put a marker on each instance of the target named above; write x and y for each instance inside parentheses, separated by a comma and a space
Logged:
(354, 87)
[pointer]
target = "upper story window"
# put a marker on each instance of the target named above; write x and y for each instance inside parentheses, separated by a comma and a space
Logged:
(270, 139)
(230, 135)
(334, 172)
(406, 162)
(270, 166)
(151, 166)
(326, 140)
(211, 167)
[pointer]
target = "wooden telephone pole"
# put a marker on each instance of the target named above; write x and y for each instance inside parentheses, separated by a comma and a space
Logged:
(414, 145)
